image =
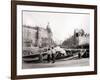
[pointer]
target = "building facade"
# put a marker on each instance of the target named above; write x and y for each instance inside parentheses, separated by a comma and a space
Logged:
(37, 36)
(78, 39)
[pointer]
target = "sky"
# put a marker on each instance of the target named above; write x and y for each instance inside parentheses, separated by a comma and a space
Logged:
(61, 24)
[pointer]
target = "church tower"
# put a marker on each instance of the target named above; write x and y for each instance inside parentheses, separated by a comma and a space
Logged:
(49, 32)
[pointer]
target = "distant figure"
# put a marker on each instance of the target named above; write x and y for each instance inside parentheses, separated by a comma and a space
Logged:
(40, 56)
(79, 55)
(49, 55)
(53, 55)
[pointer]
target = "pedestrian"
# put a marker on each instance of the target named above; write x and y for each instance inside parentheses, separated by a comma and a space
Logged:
(53, 54)
(40, 55)
(79, 55)
(49, 54)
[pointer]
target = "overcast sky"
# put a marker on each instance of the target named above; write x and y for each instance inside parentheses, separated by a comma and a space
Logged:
(61, 24)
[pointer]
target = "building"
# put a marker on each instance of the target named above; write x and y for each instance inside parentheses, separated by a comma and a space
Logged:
(79, 39)
(37, 36)
(83, 38)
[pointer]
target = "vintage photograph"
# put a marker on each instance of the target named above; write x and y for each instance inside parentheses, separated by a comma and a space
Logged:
(55, 39)
(52, 39)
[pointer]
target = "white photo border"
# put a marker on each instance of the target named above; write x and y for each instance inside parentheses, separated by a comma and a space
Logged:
(35, 71)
